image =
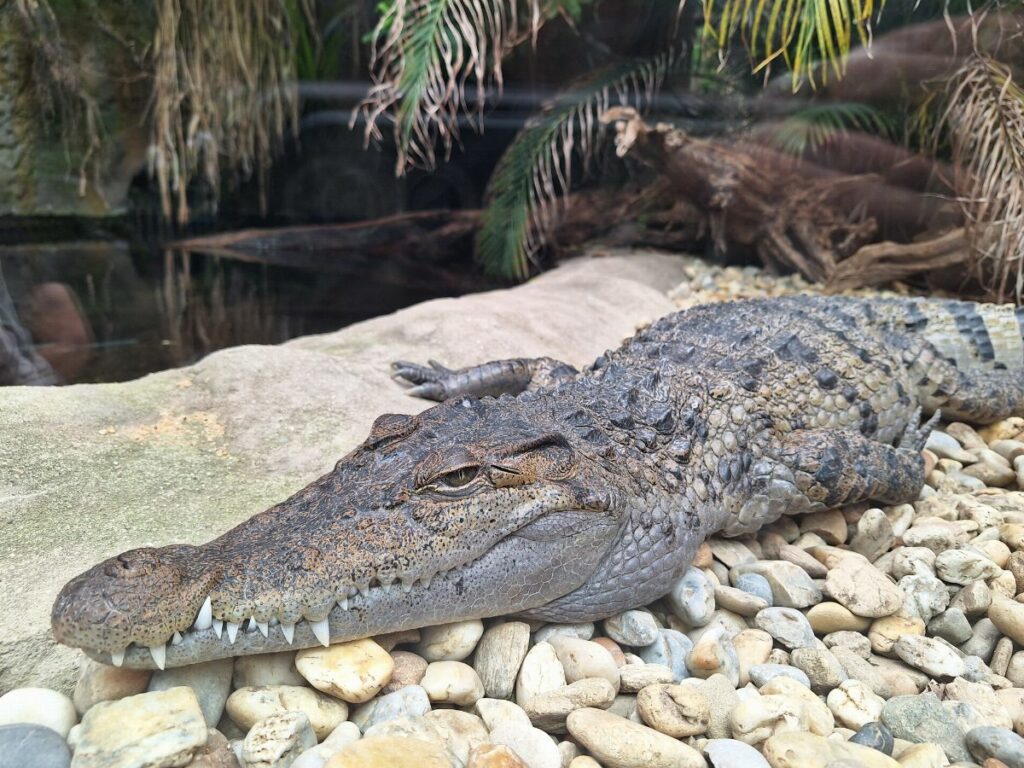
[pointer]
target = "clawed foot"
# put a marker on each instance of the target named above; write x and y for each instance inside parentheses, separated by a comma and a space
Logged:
(916, 433)
(427, 381)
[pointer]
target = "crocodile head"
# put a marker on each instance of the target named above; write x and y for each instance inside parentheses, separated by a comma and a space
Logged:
(464, 511)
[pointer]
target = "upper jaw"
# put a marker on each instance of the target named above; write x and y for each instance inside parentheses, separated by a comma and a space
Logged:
(476, 590)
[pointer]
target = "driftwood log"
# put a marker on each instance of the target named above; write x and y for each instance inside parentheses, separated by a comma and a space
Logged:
(832, 227)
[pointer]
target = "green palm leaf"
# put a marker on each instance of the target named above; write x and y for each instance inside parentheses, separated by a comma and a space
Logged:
(425, 55)
(534, 173)
(814, 126)
(799, 32)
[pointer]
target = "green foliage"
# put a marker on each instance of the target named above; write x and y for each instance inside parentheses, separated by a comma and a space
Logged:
(427, 53)
(816, 125)
(537, 168)
(797, 32)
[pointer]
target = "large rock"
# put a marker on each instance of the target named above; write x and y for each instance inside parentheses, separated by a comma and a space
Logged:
(88, 471)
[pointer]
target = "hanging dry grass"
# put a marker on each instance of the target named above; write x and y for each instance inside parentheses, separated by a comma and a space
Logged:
(984, 122)
(60, 88)
(224, 91)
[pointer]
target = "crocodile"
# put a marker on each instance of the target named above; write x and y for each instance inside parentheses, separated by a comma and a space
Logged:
(536, 490)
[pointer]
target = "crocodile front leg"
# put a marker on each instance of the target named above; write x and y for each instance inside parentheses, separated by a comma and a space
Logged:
(818, 469)
(498, 377)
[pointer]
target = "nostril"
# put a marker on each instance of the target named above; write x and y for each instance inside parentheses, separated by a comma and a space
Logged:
(132, 564)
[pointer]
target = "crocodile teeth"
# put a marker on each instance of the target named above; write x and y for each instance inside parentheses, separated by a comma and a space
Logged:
(343, 603)
(251, 626)
(288, 630)
(159, 653)
(218, 627)
(407, 585)
(176, 639)
(205, 617)
(322, 631)
(232, 631)
(263, 627)
(117, 657)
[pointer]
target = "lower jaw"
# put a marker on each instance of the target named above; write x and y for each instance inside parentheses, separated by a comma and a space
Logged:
(473, 592)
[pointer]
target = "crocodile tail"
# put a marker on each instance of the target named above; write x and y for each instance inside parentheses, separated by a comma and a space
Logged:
(965, 358)
(975, 337)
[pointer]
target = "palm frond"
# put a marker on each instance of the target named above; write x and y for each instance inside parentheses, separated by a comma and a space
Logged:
(984, 120)
(799, 32)
(812, 127)
(536, 170)
(425, 54)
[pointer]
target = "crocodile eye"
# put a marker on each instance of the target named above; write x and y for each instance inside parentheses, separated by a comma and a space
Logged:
(458, 477)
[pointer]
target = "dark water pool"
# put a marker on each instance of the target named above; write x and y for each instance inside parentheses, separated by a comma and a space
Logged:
(94, 311)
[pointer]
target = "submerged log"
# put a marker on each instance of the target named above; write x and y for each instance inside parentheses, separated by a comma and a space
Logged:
(792, 215)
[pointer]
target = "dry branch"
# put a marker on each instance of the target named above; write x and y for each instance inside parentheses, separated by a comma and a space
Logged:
(793, 215)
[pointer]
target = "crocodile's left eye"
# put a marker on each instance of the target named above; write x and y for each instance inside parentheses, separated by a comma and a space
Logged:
(458, 478)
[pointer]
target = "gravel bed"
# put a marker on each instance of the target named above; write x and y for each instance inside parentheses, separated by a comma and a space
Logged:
(870, 636)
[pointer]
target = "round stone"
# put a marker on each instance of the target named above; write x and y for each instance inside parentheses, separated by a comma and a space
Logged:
(692, 598)
(952, 626)
(583, 658)
(409, 670)
(931, 656)
(753, 647)
(821, 666)
(670, 649)
(450, 642)
(266, 669)
(790, 584)
(155, 728)
(731, 753)
(762, 673)
(101, 682)
(278, 740)
(922, 718)
(38, 706)
(714, 654)
(410, 701)
(210, 680)
(853, 641)
(539, 673)
(34, 746)
(675, 710)
(863, 589)
(390, 752)
(854, 705)
(452, 682)
(616, 742)
(499, 654)
(1008, 616)
(1000, 743)
(964, 566)
(876, 736)
(247, 706)
(353, 672)
(829, 617)
(494, 756)
(788, 626)
(809, 750)
(532, 745)
(635, 628)
(884, 632)
(755, 584)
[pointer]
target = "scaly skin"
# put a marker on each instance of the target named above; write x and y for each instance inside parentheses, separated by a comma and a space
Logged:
(583, 495)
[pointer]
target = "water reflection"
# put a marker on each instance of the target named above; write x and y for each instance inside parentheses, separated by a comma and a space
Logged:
(111, 311)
